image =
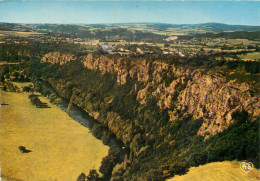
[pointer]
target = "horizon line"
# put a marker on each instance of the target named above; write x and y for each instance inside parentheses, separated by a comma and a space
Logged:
(127, 23)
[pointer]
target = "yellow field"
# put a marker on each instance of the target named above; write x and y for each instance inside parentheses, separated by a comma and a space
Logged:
(20, 33)
(61, 147)
(218, 171)
(9, 63)
(241, 41)
(20, 85)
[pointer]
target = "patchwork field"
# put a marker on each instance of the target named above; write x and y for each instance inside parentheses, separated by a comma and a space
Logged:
(60, 147)
(19, 33)
(242, 41)
(9, 63)
(255, 56)
(220, 171)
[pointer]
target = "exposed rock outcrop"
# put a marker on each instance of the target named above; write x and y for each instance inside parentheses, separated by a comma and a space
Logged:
(201, 93)
(118, 66)
(215, 99)
(57, 57)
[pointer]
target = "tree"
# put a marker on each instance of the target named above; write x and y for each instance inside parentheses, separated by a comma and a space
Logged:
(16, 75)
(93, 175)
(82, 177)
(118, 171)
(106, 165)
(179, 167)
(4, 88)
(109, 161)
(7, 76)
(22, 78)
(2, 78)
(26, 89)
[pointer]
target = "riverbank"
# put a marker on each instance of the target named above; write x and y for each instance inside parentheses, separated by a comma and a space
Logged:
(60, 147)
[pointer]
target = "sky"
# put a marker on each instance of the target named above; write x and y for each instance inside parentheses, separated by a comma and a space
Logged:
(94, 12)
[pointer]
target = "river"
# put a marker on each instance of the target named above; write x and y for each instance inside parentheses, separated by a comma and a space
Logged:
(84, 119)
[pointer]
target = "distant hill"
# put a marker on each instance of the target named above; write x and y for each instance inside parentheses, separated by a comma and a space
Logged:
(209, 27)
(224, 27)
(215, 27)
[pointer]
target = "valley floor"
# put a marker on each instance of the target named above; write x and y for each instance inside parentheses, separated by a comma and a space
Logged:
(61, 148)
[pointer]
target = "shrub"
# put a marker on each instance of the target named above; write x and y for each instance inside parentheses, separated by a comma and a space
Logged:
(4, 88)
(81, 177)
(93, 175)
(106, 165)
(26, 89)
(179, 167)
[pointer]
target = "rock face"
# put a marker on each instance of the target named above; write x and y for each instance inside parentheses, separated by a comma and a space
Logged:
(118, 66)
(57, 57)
(215, 99)
(183, 91)
(202, 94)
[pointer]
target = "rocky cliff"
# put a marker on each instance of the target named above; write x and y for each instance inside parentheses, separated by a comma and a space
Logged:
(202, 94)
(121, 67)
(182, 90)
(168, 115)
(57, 57)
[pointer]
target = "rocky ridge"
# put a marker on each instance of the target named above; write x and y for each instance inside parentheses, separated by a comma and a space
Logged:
(57, 57)
(118, 66)
(182, 90)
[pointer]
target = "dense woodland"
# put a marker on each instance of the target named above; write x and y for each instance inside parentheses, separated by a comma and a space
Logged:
(232, 35)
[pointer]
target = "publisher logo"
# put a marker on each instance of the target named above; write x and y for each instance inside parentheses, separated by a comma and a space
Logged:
(247, 166)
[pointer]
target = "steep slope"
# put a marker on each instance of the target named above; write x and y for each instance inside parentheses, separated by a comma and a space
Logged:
(163, 110)
(200, 93)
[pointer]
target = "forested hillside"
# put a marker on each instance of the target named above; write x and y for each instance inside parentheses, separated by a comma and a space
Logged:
(171, 113)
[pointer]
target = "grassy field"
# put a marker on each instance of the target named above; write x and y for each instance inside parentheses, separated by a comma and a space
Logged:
(242, 41)
(20, 85)
(61, 147)
(220, 171)
(20, 33)
(251, 56)
(9, 63)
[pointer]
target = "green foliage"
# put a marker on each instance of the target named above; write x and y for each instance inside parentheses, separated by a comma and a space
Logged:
(118, 171)
(76, 31)
(249, 66)
(10, 52)
(179, 168)
(26, 89)
(2, 79)
(16, 75)
(98, 130)
(239, 141)
(37, 102)
(11, 87)
(4, 88)
(109, 161)
(106, 166)
(93, 175)
(81, 177)
(254, 35)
